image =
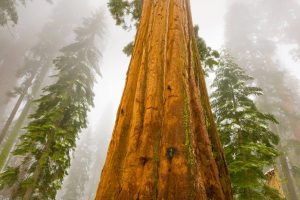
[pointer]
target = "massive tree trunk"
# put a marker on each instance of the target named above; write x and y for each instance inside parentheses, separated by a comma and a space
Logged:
(160, 147)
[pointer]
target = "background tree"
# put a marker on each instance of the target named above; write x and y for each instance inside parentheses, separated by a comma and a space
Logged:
(37, 65)
(256, 47)
(250, 145)
(84, 174)
(61, 114)
(15, 43)
(76, 184)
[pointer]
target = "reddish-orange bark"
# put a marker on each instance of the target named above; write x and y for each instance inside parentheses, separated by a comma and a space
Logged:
(160, 147)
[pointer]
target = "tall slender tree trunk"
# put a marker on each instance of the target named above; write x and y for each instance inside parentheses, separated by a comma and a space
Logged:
(160, 147)
(15, 132)
(290, 185)
(13, 113)
(11, 117)
(30, 190)
(285, 171)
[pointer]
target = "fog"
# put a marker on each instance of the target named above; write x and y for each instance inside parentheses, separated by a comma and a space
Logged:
(263, 36)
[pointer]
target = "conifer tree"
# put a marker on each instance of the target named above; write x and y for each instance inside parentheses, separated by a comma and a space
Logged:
(61, 114)
(208, 56)
(36, 66)
(257, 52)
(250, 145)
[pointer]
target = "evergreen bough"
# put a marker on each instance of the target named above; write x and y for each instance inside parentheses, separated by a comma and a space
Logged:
(62, 113)
(249, 144)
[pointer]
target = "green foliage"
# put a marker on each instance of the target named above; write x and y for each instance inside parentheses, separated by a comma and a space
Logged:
(270, 193)
(250, 145)
(8, 177)
(209, 57)
(128, 49)
(121, 10)
(60, 116)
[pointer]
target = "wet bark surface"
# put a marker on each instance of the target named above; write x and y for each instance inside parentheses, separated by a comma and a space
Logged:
(160, 147)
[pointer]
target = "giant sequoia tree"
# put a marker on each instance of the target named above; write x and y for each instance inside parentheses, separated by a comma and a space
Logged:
(165, 144)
